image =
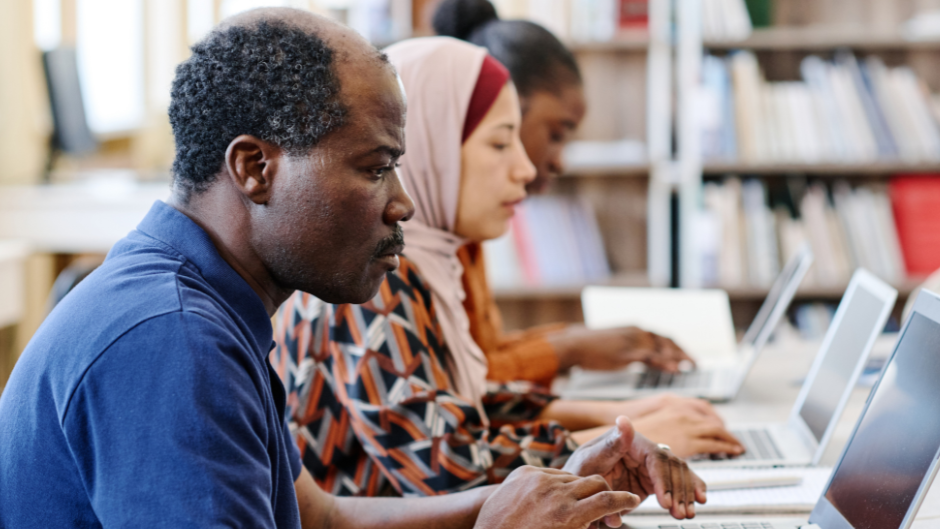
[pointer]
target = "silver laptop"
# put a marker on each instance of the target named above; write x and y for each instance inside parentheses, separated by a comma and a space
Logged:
(700, 317)
(802, 440)
(892, 456)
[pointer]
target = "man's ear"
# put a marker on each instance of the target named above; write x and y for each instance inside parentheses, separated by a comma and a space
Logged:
(252, 165)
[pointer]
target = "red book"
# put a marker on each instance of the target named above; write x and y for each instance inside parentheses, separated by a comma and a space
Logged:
(634, 14)
(523, 239)
(915, 200)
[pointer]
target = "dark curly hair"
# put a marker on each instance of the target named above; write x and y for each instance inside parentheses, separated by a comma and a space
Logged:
(535, 58)
(273, 81)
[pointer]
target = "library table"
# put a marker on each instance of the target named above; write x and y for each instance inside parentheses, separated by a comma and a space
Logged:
(80, 216)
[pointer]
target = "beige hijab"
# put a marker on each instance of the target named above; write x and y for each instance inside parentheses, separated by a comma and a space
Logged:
(439, 75)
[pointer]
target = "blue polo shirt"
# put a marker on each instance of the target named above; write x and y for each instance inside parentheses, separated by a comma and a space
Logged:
(146, 398)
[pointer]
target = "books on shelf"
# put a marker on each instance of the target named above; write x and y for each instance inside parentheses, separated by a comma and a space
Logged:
(581, 20)
(847, 227)
(634, 15)
(382, 22)
(916, 203)
(725, 20)
(842, 111)
(552, 241)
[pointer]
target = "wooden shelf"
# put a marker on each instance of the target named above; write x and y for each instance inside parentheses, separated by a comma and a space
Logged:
(832, 292)
(625, 43)
(638, 170)
(568, 292)
(745, 293)
(817, 38)
(826, 169)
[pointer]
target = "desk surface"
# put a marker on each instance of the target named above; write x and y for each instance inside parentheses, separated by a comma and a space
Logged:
(768, 394)
(77, 217)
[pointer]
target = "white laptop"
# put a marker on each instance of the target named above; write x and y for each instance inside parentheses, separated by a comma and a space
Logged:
(892, 456)
(699, 321)
(802, 440)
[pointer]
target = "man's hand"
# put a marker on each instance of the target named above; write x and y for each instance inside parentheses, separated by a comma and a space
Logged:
(542, 498)
(688, 432)
(607, 349)
(630, 462)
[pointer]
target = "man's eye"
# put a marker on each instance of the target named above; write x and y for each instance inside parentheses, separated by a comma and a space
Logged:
(500, 146)
(382, 171)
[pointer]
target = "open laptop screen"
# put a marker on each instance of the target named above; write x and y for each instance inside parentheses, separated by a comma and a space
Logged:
(778, 299)
(895, 442)
(862, 313)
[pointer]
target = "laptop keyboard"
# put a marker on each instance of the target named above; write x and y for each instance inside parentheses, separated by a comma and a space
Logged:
(758, 443)
(652, 378)
(742, 525)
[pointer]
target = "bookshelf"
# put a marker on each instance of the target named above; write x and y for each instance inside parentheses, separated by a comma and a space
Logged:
(822, 38)
(848, 170)
(649, 89)
(626, 171)
(624, 42)
(872, 32)
(627, 88)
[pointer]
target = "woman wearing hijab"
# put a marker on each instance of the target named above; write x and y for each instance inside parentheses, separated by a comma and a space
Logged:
(393, 393)
(551, 96)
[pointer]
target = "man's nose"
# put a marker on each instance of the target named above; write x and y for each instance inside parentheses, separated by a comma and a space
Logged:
(401, 208)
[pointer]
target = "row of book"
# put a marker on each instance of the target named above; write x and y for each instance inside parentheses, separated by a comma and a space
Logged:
(553, 241)
(843, 111)
(581, 20)
(745, 231)
(725, 20)
(748, 229)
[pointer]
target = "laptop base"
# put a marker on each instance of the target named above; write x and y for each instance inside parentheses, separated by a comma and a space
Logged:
(730, 523)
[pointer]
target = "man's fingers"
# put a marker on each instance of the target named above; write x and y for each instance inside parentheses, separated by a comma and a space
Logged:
(558, 472)
(689, 479)
(602, 504)
(678, 489)
(701, 489)
(661, 475)
(614, 520)
(599, 455)
(589, 486)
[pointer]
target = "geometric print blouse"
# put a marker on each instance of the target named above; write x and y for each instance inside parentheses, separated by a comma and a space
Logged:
(371, 405)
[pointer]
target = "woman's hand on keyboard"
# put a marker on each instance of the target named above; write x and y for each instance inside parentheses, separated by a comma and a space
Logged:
(688, 432)
(637, 408)
(631, 462)
(606, 349)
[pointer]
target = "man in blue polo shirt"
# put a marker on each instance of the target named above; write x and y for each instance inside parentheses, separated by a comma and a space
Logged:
(146, 398)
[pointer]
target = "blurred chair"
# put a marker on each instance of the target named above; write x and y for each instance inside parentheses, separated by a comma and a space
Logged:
(72, 134)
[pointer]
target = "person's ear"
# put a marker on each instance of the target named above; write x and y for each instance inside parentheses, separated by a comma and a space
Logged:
(252, 165)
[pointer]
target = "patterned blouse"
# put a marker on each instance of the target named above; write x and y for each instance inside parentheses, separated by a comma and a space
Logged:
(371, 403)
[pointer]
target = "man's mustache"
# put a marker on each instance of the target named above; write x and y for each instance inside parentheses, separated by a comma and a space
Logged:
(394, 242)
